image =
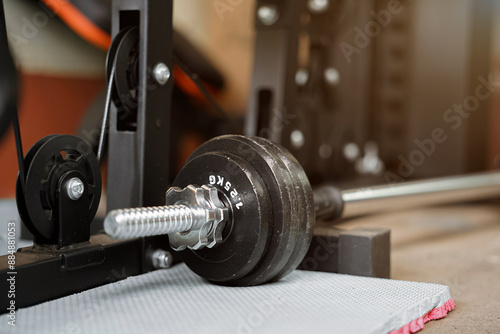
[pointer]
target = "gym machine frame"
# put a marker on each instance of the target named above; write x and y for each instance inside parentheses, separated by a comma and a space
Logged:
(45, 272)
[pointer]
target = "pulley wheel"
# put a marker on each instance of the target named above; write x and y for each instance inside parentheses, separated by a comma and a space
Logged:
(123, 54)
(46, 163)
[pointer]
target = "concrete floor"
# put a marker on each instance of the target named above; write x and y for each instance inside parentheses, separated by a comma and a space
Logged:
(458, 246)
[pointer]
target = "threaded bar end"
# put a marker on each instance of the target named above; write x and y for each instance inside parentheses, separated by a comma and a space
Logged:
(142, 222)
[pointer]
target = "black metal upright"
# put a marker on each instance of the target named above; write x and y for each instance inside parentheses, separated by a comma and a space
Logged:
(8, 78)
(273, 75)
(138, 168)
(138, 151)
(304, 96)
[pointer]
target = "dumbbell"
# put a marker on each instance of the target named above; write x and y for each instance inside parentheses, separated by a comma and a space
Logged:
(242, 211)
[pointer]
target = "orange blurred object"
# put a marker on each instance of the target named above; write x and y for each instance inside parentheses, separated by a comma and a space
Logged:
(81, 24)
(93, 34)
(48, 105)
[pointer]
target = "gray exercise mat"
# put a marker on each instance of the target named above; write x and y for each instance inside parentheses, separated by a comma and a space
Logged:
(177, 301)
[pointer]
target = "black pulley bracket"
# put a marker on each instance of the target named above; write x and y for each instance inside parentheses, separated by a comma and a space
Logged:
(63, 189)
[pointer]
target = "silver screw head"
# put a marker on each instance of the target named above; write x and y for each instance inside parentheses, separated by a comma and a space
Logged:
(268, 14)
(318, 6)
(301, 77)
(332, 76)
(75, 188)
(297, 139)
(161, 259)
(351, 151)
(161, 73)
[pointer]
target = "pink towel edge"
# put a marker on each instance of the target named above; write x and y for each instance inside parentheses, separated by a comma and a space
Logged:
(434, 314)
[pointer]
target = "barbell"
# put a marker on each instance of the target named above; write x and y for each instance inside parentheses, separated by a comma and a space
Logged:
(242, 211)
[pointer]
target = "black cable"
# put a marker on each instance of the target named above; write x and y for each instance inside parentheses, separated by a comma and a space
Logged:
(19, 147)
(195, 78)
(10, 75)
(100, 148)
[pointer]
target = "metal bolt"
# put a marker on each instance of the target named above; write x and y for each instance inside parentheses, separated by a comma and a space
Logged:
(161, 73)
(332, 76)
(371, 162)
(161, 259)
(301, 77)
(75, 188)
(318, 6)
(297, 139)
(351, 151)
(268, 14)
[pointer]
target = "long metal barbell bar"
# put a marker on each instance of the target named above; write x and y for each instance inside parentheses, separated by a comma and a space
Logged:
(330, 203)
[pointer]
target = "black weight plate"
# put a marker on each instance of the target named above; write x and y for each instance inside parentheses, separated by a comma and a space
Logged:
(20, 199)
(46, 167)
(304, 210)
(286, 231)
(275, 179)
(242, 189)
